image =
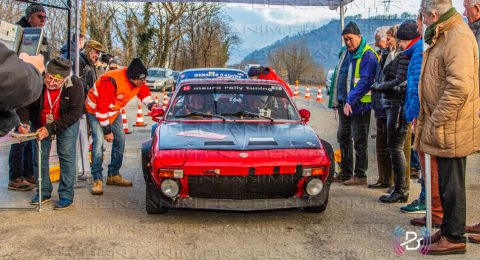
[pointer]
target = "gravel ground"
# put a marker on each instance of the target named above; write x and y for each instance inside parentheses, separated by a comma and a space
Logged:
(116, 226)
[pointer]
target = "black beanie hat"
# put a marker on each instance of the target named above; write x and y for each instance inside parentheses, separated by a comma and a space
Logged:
(408, 30)
(59, 67)
(351, 28)
(253, 72)
(136, 70)
(34, 8)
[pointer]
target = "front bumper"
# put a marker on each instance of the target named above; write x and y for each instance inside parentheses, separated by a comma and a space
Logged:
(245, 204)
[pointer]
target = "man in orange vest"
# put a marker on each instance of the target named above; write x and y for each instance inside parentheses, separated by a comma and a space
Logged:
(112, 91)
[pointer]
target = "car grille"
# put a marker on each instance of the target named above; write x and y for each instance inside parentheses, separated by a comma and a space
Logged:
(244, 187)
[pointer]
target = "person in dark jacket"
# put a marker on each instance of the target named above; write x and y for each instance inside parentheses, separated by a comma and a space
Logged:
(20, 166)
(20, 85)
(54, 116)
(395, 73)
(385, 174)
(36, 16)
(350, 94)
(87, 64)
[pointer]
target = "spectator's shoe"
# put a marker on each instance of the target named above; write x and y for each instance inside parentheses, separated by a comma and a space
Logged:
(433, 239)
(414, 173)
(415, 207)
(474, 239)
(473, 229)
(20, 185)
(420, 222)
(340, 178)
(31, 180)
(446, 247)
(356, 181)
(378, 185)
(45, 198)
(63, 204)
(395, 197)
(390, 190)
(118, 180)
(97, 187)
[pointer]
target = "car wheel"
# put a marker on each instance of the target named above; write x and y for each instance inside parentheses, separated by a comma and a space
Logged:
(151, 200)
(317, 209)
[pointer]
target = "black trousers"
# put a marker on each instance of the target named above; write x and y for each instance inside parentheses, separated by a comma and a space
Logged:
(385, 172)
(396, 131)
(353, 134)
(451, 181)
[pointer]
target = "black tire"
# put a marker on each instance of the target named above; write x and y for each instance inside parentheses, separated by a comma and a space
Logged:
(317, 209)
(151, 200)
(329, 149)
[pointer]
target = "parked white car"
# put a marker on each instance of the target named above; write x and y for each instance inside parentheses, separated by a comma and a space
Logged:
(160, 78)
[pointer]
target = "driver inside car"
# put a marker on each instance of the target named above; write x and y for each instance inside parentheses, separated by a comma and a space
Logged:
(196, 103)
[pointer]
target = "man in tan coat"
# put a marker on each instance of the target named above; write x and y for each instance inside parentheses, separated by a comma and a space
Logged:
(448, 127)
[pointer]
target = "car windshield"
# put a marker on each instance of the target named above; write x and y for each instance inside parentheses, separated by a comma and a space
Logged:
(157, 73)
(213, 74)
(232, 102)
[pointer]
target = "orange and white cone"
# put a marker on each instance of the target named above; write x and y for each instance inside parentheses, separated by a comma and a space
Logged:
(156, 100)
(125, 123)
(295, 91)
(307, 93)
(140, 121)
(165, 98)
(319, 95)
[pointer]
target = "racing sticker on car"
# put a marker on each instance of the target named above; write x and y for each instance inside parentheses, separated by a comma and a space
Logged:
(202, 134)
(265, 112)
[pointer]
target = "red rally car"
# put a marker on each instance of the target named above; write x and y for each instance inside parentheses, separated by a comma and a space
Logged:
(238, 145)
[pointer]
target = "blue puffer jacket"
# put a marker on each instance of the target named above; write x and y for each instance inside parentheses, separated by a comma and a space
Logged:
(412, 104)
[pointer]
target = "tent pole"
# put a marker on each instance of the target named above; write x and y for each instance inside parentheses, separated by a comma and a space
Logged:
(342, 20)
(77, 38)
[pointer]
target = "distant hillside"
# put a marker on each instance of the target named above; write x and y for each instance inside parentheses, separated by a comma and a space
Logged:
(324, 42)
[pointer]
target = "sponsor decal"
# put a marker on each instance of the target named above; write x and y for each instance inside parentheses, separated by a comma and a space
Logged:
(202, 134)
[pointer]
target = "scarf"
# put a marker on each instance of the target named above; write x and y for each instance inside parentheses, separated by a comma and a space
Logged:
(430, 32)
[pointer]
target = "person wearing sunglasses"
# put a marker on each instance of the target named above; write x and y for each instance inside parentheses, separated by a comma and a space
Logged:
(36, 16)
(55, 117)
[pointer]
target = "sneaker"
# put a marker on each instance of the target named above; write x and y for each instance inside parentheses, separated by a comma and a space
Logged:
(63, 204)
(356, 181)
(45, 198)
(416, 207)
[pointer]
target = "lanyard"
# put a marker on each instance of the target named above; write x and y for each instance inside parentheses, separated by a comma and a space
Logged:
(50, 100)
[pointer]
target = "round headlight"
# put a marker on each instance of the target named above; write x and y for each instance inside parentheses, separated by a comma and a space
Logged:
(170, 188)
(314, 187)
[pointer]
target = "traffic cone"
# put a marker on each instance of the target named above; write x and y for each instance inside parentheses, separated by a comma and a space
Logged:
(140, 121)
(295, 91)
(156, 99)
(319, 95)
(165, 98)
(307, 93)
(125, 123)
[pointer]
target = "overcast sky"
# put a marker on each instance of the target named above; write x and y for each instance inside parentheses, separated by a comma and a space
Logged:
(261, 25)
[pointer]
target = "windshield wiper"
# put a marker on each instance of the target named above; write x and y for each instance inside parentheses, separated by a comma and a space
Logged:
(248, 113)
(197, 113)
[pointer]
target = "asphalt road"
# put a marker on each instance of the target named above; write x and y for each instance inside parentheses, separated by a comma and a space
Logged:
(116, 226)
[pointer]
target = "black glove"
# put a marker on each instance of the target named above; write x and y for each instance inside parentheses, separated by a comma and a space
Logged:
(401, 88)
(374, 86)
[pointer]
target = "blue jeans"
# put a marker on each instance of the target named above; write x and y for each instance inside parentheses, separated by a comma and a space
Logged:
(414, 161)
(118, 147)
(422, 195)
(67, 154)
(20, 160)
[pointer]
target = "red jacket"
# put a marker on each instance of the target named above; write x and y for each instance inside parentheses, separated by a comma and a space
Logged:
(271, 75)
(112, 91)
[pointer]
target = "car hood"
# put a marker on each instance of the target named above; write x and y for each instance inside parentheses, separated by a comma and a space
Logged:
(236, 136)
